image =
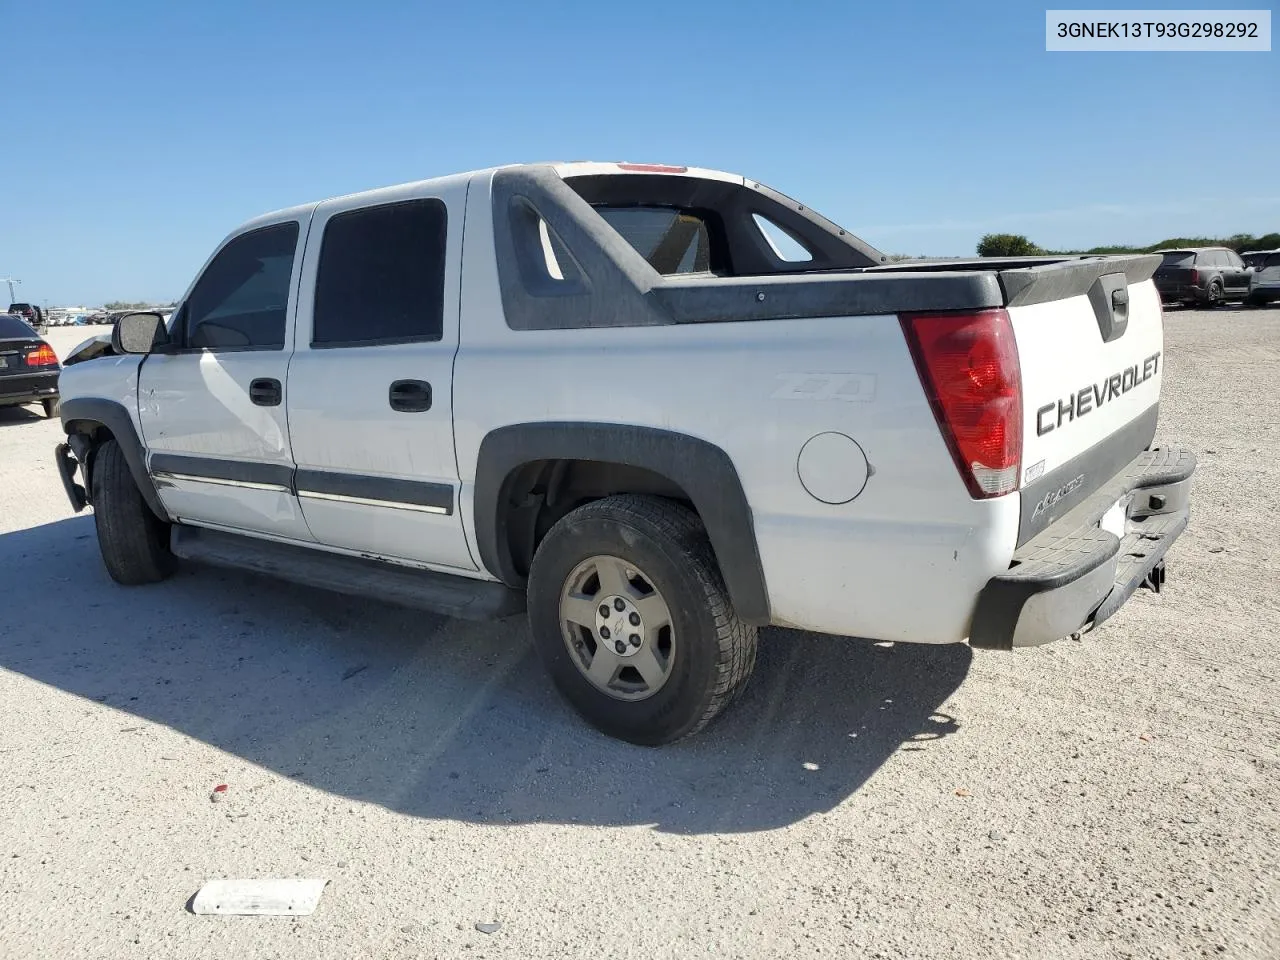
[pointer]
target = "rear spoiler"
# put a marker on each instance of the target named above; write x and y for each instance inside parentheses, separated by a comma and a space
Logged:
(1028, 280)
(904, 288)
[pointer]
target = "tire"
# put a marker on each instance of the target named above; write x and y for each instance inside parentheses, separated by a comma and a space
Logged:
(1213, 295)
(133, 540)
(50, 408)
(693, 666)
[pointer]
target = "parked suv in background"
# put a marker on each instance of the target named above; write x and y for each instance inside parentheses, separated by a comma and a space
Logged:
(1206, 276)
(1264, 282)
(30, 313)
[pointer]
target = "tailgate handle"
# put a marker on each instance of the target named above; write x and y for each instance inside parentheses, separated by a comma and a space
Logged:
(1109, 297)
(1120, 302)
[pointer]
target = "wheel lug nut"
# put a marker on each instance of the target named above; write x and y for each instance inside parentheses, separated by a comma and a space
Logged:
(634, 619)
(604, 632)
(620, 647)
(635, 639)
(604, 610)
(619, 605)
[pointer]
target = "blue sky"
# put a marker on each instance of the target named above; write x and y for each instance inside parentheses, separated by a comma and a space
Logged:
(150, 129)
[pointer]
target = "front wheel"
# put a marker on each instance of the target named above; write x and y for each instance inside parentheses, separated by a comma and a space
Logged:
(631, 617)
(133, 540)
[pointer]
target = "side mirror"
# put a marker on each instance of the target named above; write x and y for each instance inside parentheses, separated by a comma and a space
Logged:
(139, 333)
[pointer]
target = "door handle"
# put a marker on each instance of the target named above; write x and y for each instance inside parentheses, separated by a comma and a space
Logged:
(265, 392)
(410, 396)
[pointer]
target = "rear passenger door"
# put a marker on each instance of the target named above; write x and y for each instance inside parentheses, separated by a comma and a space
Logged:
(212, 408)
(370, 384)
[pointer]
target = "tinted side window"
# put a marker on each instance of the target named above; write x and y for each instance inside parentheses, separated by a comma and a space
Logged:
(381, 275)
(242, 297)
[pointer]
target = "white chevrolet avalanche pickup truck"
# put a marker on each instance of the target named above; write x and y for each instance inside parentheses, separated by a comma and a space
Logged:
(658, 407)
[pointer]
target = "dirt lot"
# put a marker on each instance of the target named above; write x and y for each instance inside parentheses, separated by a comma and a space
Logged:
(1113, 797)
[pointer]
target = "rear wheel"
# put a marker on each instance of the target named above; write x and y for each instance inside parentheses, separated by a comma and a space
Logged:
(50, 408)
(133, 540)
(1213, 296)
(632, 620)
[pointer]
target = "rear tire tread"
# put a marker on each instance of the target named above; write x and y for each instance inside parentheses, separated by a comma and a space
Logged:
(682, 537)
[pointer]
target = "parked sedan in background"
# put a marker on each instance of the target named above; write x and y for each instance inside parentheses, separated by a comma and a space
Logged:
(29, 368)
(1205, 276)
(1264, 284)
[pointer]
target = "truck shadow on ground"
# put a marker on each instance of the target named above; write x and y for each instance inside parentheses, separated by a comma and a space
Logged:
(440, 718)
(13, 416)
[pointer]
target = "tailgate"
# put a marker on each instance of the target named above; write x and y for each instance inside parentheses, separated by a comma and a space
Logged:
(1090, 340)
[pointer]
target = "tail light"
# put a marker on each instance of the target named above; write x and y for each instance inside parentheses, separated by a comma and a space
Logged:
(1195, 277)
(968, 365)
(42, 356)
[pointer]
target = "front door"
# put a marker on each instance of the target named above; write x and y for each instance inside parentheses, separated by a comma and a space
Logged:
(212, 409)
(370, 384)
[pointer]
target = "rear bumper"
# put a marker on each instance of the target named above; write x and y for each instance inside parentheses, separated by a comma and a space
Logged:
(28, 387)
(1075, 574)
(1178, 292)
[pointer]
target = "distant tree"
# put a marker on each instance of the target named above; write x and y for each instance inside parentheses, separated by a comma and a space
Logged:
(115, 305)
(1007, 245)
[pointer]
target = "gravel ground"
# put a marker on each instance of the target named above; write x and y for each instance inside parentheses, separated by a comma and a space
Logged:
(1111, 797)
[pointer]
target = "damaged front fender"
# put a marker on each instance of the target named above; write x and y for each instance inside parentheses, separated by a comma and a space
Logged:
(91, 349)
(67, 466)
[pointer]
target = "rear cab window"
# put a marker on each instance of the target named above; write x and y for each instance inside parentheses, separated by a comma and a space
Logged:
(1179, 258)
(672, 239)
(689, 224)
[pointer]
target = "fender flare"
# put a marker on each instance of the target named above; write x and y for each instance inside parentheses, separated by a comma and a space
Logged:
(98, 411)
(702, 469)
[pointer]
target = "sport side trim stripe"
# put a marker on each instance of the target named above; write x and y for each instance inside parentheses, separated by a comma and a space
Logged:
(222, 481)
(416, 495)
(370, 502)
(377, 490)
